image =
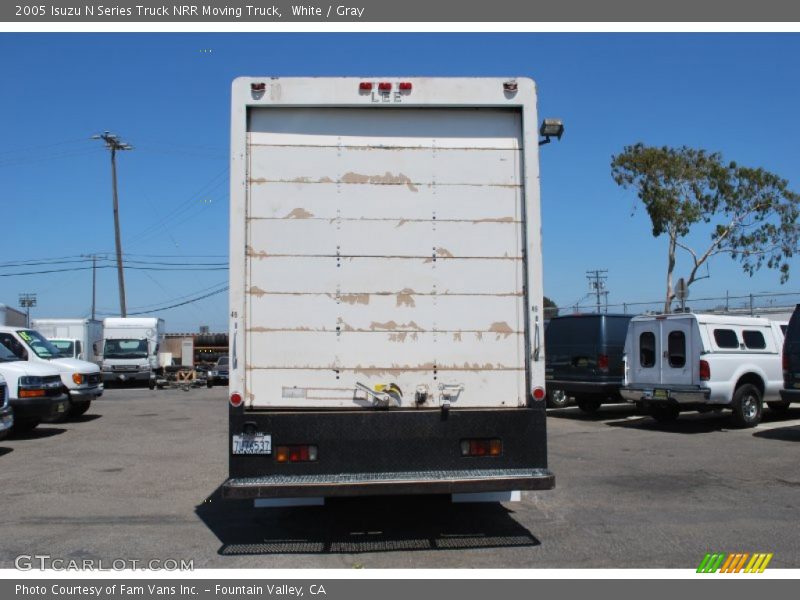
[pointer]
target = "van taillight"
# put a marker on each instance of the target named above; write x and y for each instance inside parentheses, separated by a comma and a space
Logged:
(705, 370)
(236, 399)
(602, 362)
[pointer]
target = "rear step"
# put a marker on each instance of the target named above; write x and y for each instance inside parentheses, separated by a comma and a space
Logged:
(403, 482)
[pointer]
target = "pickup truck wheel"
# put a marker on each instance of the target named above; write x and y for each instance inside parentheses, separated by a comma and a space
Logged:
(25, 425)
(76, 409)
(747, 406)
(152, 384)
(589, 406)
(555, 399)
(665, 414)
(779, 405)
(209, 382)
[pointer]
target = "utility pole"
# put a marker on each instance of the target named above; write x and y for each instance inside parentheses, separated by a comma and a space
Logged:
(597, 283)
(26, 301)
(94, 282)
(114, 144)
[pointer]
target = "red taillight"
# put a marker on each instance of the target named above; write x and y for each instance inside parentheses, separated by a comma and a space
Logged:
(365, 86)
(298, 453)
(602, 362)
(236, 399)
(405, 86)
(785, 363)
(385, 86)
(491, 447)
(538, 393)
(705, 370)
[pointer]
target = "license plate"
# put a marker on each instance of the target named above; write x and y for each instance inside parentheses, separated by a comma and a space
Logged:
(660, 394)
(258, 443)
(61, 407)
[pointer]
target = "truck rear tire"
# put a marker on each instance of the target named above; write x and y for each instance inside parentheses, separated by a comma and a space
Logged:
(25, 425)
(747, 406)
(555, 399)
(76, 409)
(588, 405)
(779, 405)
(665, 414)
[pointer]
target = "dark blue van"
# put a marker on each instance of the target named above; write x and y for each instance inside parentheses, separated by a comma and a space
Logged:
(583, 359)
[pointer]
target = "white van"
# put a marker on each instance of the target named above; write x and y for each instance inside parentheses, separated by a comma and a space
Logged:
(80, 379)
(6, 413)
(34, 391)
(685, 361)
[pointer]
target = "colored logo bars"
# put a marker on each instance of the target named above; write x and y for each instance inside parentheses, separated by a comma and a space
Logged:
(734, 563)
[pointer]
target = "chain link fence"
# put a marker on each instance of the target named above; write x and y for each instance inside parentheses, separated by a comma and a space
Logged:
(775, 305)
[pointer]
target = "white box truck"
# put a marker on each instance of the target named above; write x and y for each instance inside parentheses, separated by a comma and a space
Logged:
(130, 349)
(75, 338)
(385, 289)
(12, 317)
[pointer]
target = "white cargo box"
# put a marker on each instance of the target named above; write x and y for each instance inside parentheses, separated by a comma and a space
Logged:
(385, 239)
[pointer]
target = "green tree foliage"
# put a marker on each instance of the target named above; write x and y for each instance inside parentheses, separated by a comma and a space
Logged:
(753, 213)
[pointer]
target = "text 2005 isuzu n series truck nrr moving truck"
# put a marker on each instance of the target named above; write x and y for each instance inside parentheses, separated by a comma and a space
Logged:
(385, 289)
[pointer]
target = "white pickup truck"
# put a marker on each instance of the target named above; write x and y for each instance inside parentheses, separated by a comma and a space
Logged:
(682, 362)
(81, 380)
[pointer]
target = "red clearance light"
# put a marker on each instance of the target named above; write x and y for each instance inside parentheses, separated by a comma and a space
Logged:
(258, 87)
(602, 362)
(365, 86)
(705, 370)
(301, 453)
(385, 86)
(491, 447)
(236, 399)
(539, 393)
(405, 86)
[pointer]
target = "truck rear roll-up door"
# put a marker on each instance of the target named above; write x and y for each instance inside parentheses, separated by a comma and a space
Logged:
(384, 246)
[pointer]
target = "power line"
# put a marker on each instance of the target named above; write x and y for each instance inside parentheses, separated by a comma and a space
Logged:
(70, 269)
(163, 308)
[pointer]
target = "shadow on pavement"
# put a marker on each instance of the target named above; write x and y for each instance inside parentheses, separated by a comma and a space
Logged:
(40, 432)
(4, 451)
(790, 433)
(356, 525)
(605, 412)
(84, 418)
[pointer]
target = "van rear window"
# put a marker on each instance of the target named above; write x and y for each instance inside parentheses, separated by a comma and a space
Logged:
(676, 349)
(647, 349)
(754, 339)
(726, 338)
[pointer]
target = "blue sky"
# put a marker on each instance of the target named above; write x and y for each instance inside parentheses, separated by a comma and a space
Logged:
(168, 95)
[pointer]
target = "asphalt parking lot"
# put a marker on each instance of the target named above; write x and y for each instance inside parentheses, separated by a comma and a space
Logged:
(137, 478)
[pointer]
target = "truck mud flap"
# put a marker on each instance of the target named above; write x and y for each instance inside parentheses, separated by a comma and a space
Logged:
(373, 484)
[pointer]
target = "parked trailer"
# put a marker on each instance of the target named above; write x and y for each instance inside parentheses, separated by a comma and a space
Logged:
(385, 289)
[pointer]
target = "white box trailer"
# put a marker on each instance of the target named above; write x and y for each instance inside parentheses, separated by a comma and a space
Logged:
(385, 288)
(76, 338)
